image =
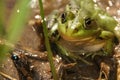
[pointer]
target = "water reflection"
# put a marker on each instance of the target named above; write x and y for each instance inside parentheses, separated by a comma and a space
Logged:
(111, 6)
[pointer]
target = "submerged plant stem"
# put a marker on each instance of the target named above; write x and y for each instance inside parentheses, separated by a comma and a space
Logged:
(47, 44)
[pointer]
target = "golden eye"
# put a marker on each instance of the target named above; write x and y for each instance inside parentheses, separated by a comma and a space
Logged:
(90, 24)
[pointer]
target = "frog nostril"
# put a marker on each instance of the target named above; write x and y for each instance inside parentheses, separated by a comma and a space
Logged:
(75, 30)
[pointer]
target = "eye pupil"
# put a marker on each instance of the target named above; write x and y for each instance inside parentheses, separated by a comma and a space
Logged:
(88, 21)
(63, 18)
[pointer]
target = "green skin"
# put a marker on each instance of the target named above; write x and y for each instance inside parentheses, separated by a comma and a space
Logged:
(84, 29)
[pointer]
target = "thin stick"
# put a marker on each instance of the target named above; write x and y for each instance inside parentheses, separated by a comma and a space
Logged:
(7, 76)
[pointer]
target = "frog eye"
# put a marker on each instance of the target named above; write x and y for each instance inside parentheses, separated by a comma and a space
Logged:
(90, 24)
(14, 57)
(63, 17)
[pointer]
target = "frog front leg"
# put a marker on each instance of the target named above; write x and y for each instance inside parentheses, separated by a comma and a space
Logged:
(110, 42)
(108, 49)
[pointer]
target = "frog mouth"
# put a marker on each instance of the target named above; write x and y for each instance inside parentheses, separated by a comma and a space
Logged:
(68, 38)
(71, 37)
(80, 39)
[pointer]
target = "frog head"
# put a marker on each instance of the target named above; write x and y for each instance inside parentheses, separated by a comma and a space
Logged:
(84, 21)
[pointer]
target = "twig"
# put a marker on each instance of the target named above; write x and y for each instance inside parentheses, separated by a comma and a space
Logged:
(7, 76)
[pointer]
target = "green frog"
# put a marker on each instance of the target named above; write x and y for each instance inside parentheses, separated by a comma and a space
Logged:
(83, 29)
